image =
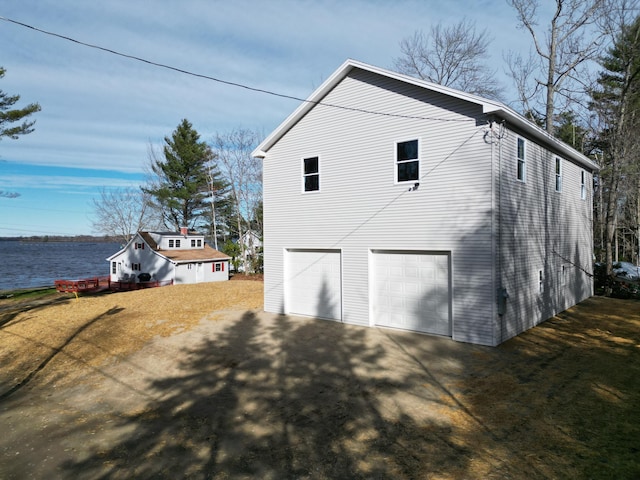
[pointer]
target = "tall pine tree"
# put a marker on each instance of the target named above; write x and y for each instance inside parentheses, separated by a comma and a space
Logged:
(183, 181)
(616, 102)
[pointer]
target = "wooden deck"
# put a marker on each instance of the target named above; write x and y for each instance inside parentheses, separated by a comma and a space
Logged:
(99, 284)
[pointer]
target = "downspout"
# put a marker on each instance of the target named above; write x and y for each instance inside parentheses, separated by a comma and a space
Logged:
(502, 291)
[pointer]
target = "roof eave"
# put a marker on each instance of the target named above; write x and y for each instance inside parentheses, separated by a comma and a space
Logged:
(488, 107)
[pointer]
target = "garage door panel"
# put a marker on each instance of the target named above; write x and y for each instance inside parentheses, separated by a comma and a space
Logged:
(416, 296)
(313, 283)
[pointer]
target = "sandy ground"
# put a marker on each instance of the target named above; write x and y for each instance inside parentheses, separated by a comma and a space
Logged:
(197, 382)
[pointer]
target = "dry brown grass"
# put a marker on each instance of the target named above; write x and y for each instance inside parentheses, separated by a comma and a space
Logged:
(95, 327)
(559, 401)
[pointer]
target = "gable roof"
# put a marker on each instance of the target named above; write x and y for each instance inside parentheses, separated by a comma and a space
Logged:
(204, 254)
(488, 107)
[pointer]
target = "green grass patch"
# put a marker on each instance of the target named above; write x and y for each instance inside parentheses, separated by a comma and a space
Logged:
(27, 293)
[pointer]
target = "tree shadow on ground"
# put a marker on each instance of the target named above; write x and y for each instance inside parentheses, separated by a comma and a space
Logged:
(287, 398)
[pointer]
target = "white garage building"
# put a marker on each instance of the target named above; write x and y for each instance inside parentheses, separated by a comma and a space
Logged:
(394, 202)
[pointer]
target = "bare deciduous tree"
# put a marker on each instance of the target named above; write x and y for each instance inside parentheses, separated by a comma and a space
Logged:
(244, 175)
(123, 212)
(451, 56)
(616, 106)
(561, 48)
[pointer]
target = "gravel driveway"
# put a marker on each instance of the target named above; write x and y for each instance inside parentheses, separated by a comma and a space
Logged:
(244, 394)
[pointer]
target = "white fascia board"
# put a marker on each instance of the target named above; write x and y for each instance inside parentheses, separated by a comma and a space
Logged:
(488, 107)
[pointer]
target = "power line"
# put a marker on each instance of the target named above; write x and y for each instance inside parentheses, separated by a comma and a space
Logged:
(227, 82)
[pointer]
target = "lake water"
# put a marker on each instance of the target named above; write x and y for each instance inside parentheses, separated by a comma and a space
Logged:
(36, 264)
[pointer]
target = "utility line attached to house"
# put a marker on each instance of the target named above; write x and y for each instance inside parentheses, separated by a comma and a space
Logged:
(227, 82)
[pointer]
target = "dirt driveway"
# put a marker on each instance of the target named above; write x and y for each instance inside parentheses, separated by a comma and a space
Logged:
(237, 393)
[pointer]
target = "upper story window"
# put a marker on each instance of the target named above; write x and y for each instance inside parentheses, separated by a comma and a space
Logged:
(311, 174)
(177, 243)
(407, 161)
(558, 174)
(540, 281)
(139, 246)
(193, 242)
(521, 169)
(583, 185)
(199, 242)
(171, 243)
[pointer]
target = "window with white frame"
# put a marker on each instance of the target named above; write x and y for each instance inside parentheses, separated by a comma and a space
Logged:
(407, 161)
(193, 243)
(170, 243)
(583, 185)
(177, 243)
(540, 281)
(558, 174)
(563, 274)
(311, 174)
(521, 166)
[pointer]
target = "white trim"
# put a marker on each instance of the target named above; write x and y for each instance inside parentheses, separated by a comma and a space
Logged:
(523, 159)
(488, 107)
(304, 175)
(395, 161)
(558, 173)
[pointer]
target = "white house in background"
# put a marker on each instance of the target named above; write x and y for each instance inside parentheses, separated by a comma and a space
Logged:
(394, 202)
(252, 244)
(183, 257)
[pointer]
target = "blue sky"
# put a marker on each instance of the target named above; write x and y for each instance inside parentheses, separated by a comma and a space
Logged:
(100, 112)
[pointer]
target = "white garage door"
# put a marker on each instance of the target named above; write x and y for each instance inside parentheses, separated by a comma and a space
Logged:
(411, 290)
(313, 283)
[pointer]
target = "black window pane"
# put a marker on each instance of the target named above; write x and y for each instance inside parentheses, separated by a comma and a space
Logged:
(310, 165)
(407, 150)
(407, 171)
(311, 183)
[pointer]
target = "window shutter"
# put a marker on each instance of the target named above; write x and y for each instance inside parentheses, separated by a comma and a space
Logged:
(222, 266)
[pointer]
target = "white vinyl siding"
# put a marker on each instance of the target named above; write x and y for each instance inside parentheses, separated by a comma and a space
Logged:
(451, 211)
(467, 204)
(541, 231)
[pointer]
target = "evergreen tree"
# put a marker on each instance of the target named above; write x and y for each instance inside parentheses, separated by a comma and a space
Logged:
(616, 102)
(183, 181)
(9, 116)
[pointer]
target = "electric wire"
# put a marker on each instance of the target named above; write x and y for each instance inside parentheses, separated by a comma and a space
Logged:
(228, 82)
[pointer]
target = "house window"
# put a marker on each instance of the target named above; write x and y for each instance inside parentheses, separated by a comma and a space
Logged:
(139, 246)
(583, 185)
(170, 243)
(540, 281)
(193, 242)
(199, 243)
(558, 175)
(407, 161)
(113, 267)
(521, 168)
(136, 266)
(177, 243)
(218, 267)
(311, 174)
(563, 274)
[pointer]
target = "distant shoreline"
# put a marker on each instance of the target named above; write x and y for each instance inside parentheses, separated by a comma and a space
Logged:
(59, 238)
